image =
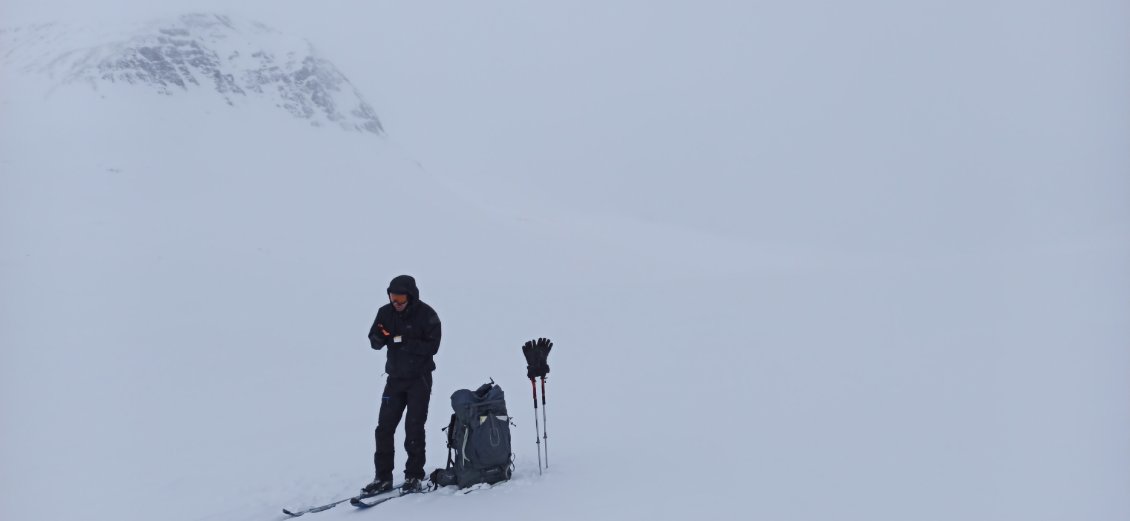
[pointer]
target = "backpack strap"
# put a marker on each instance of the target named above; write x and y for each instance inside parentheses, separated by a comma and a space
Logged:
(450, 440)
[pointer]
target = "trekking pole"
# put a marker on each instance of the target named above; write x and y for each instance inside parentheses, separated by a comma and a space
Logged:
(544, 422)
(536, 352)
(537, 434)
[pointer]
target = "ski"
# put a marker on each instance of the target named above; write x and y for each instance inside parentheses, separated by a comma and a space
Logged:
(361, 502)
(311, 510)
(328, 506)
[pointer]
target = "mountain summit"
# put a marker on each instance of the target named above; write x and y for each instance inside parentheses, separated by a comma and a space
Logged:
(236, 61)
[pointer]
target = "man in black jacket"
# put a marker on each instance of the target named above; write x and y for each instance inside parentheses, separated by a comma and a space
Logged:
(411, 331)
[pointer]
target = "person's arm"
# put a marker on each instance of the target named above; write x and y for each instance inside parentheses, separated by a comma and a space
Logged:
(378, 335)
(428, 343)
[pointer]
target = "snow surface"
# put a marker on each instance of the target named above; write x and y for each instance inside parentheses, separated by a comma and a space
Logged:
(879, 274)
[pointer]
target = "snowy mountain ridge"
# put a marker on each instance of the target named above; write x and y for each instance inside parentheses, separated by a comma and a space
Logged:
(232, 60)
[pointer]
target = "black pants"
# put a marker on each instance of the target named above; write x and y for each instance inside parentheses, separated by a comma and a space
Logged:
(413, 393)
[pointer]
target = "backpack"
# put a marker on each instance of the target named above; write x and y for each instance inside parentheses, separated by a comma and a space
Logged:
(478, 439)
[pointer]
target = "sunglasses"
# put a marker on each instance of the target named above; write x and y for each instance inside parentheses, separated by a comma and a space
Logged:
(398, 299)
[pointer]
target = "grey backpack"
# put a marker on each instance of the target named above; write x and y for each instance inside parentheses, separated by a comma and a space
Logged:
(478, 439)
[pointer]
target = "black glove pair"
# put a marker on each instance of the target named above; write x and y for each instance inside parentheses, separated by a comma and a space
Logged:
(537, 353)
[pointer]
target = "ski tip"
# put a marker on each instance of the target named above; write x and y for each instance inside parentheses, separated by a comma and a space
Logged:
(292, 514)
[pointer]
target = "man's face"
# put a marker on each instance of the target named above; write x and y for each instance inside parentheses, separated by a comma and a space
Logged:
(399, 302)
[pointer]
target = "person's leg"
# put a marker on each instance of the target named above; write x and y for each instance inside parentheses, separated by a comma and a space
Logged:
(418, 396)
(393, 402)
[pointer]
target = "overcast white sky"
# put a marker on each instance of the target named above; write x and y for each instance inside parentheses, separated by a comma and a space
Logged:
(981, 115)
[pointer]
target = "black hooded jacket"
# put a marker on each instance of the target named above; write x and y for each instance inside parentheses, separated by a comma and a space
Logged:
(418, 326)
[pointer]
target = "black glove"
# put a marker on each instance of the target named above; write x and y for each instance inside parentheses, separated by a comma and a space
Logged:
(537, 354)
(380, 337)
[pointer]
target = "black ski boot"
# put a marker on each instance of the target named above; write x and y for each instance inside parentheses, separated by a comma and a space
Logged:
(376, 487)
(410, 485)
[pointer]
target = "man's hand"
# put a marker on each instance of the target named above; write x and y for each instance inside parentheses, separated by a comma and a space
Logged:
(379, 337)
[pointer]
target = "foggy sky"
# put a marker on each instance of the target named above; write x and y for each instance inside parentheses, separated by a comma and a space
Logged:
(979, 115)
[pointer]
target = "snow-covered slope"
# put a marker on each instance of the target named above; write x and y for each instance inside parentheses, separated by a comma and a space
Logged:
(235, 61)
(187, 288)
(186, 285)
